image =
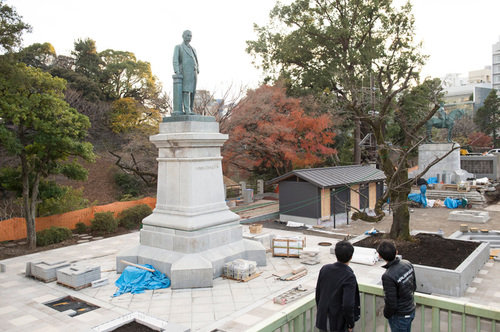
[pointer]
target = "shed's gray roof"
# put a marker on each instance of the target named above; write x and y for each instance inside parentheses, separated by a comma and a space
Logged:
(335, 176)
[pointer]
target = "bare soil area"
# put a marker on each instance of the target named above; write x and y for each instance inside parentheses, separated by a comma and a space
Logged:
(428, 249)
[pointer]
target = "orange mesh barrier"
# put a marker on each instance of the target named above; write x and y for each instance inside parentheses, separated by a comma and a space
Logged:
(15, 228)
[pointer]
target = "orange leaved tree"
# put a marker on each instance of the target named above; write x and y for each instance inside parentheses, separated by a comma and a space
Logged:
(269, 133)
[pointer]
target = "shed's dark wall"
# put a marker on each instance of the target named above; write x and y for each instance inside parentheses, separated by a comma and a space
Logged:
(300, 199)
(364, 190)
(340, 198)
(380, 190)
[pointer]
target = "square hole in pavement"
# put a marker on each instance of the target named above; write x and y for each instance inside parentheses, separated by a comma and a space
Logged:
(71, 305)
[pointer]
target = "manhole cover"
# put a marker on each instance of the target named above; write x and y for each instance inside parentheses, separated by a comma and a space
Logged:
(73, 306)
(325, 244)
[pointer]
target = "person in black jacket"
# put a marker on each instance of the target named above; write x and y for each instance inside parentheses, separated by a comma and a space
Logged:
(337, 293)
(399, 284)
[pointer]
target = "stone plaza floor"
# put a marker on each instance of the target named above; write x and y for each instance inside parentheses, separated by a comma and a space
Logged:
(228, 306)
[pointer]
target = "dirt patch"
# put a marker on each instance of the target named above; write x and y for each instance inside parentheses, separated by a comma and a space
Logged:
(428, 249)
(133, 327)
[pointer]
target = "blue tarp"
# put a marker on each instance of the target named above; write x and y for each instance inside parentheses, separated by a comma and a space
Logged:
(420, 198)
(452, 203)
(432, 180)
(136, 280)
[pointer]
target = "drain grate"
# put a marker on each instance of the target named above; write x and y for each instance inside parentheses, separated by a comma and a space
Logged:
(72, 306)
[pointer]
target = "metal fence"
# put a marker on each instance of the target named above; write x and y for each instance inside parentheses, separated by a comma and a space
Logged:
(433, 314)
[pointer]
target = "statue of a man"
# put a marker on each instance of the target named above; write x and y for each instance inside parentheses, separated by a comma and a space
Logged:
(186, 64)
(442, 115)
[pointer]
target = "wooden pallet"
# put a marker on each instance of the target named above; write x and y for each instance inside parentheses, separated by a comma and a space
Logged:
(253, 276)
(44, 280)
(73, 287)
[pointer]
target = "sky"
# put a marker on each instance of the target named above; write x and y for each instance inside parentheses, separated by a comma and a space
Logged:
(457, 34)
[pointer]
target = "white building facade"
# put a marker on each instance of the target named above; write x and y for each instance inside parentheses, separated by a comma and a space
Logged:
(495, 68)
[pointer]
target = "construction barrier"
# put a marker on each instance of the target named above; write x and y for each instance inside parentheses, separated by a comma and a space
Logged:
(15, 228)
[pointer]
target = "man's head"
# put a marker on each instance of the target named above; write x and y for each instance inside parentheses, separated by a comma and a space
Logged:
(387, 250)
(344, 251)
(187, 35)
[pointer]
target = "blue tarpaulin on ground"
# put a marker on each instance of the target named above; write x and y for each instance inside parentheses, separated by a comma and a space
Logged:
(452, 203)
(432, 180)
(420, 198)
(136, 280)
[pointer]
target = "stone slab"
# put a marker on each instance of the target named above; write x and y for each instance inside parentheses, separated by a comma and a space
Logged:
(469, 216)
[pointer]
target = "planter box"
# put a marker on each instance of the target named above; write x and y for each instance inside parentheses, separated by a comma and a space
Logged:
(448, 282)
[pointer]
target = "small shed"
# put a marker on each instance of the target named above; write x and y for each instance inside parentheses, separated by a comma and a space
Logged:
(325, 195)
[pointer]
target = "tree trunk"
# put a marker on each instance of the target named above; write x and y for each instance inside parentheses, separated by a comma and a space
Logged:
(357, 139)
(400, 228)
(28, 214)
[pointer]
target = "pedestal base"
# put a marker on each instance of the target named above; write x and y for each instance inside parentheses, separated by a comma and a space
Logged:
(192, 270)
(427, 153)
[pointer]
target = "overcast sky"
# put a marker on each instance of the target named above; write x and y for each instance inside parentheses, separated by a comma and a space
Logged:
(457, 34)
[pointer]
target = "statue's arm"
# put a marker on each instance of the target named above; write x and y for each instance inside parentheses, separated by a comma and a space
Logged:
(197, 63)
(176, 62)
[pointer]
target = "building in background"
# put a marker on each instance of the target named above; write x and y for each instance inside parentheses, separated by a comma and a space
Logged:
(495, 68)
(469, 97)
(480, 76)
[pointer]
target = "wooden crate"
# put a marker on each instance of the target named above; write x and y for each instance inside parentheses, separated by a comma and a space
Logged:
(288, 247)
(256, 228)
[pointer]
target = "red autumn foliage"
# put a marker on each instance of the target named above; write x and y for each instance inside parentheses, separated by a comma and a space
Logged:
(269, 132)
(479, 140)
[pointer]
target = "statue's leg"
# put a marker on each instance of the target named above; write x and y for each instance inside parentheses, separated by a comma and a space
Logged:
(191, 105)
(186, 101)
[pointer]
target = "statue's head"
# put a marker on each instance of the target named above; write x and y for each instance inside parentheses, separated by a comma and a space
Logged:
(187, 35)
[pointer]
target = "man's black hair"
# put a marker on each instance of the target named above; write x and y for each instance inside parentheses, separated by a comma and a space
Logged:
(387, 250)
(344, 251)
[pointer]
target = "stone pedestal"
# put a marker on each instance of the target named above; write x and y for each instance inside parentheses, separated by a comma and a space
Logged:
(191, 233)
(427, 153)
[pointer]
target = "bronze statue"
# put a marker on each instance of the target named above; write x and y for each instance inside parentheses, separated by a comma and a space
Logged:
(447, 121)
(186, 69)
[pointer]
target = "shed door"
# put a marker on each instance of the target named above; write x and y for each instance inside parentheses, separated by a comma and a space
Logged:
(325, 203)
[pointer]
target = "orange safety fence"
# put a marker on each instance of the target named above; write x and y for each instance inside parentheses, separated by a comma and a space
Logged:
(15, 228)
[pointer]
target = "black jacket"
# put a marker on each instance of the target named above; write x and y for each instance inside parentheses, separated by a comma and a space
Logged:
(399, 284)
(337, 298)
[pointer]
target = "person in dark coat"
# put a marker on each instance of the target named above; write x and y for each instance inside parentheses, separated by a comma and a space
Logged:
(337, 293)
(399, 284)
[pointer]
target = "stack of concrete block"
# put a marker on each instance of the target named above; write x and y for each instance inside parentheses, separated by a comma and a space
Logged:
(46, 270)
(78, 276)
(240, 269)
(310, 256)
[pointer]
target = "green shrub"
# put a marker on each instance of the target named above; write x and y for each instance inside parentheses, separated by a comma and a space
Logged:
(81, 228)
(61, 199)
(52, 235)
(103, 222)
(128, 184)
(132, 217)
